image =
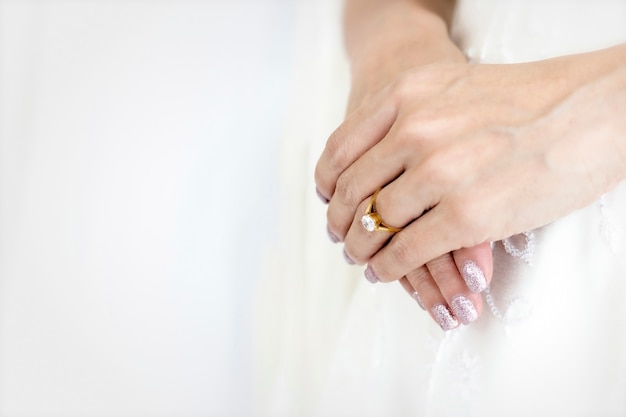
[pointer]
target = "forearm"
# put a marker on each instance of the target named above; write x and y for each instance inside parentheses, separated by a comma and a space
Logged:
(384, 38)
(602, 76)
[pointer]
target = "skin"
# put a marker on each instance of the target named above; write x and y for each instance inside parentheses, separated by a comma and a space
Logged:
(465, 153)
(384, 40)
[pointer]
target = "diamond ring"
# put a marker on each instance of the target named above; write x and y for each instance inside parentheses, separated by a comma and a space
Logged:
(372, 221)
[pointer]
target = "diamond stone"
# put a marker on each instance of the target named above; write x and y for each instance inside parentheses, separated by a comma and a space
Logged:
(368, 222)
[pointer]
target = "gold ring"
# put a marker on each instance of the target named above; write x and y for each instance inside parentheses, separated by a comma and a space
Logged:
(372, 221)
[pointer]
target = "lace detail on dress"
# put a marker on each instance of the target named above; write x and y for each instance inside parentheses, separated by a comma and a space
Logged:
(518, 310)
(465, 371)
(522, 250)
(495, 311)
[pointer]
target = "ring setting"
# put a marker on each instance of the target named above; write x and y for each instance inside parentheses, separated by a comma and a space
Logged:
(372, 221)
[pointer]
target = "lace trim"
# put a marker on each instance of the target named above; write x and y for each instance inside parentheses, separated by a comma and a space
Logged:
(512, 246)
(465, 371)
(520, 246)
(517, 310)
(495, 311)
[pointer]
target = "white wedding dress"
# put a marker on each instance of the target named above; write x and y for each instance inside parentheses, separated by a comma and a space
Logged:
(552, 340)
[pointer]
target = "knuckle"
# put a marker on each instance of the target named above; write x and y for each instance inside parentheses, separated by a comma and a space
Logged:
(409, 133)
(402, 251)
(423, 285)
(338, 228)
(408, 86)
(402, 87)
(419, 278)
(356, 254)
(468, 220)
(419, 130)
(320, 178)
(418, 81)
(337, 150)
(406, 131)
(440, 264)
(346, 190)
(438, 169)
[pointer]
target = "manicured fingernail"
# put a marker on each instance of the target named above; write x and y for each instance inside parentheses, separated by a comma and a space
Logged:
(464, 309)
(370, 275)
(443, 316)
(321, 196)
(347, 258)
(474, 277)
(417, 298)
(333, 237)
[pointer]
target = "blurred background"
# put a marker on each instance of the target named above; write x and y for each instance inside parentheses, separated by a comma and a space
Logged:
(138, 152)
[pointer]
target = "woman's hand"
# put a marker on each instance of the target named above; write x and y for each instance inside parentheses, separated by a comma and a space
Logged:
(409, 35)
(468, 154)
(449, 287)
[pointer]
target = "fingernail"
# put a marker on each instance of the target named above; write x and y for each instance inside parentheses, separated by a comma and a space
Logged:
(347, 258)
(443, 316)
(370, 275)
(464, 309)
(321, 196)
(474, 277)
(333, 237)
(417, 298)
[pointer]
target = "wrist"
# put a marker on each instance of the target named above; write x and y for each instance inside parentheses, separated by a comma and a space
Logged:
(408, 37)
(587, 68)
(390, 52)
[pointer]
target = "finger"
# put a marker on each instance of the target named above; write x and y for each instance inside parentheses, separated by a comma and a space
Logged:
(407, 143)
(432, 300)
(360, 243)
(475, 265)
(435, 233)
(411, 291)
(359, 132)
(398, 204)
(465, 305)
(378, 166)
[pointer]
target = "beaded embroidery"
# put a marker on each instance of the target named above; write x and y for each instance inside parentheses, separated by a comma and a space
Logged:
(526, 253)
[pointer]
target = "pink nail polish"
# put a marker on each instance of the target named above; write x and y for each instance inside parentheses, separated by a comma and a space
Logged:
(321, 196)
(474, 277)
(370, 275)
(333, 237)
(464, 309)
(443, 316)
(417, 298)
(347, 258)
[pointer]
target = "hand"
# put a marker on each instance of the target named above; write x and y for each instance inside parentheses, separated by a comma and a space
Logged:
(469, 154)
(438, 287)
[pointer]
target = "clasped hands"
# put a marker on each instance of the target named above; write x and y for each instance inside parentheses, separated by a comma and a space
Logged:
(464, 155)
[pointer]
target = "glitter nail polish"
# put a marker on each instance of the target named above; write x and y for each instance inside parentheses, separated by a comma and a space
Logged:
(417, 298)
(474, 277)
(463, 309)
(370, 275)
(443, 316)
(347, 258)
(321, 196)
(333, 237)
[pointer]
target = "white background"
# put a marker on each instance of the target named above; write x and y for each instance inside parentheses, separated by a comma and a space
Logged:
(138, 144)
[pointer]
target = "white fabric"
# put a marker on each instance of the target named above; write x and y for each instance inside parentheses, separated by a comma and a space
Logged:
(553, 342)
